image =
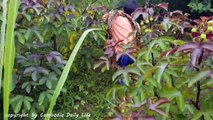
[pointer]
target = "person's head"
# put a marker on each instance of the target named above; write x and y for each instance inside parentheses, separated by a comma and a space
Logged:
(130, 6)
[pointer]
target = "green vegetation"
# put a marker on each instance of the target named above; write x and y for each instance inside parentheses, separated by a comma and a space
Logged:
(55, 59)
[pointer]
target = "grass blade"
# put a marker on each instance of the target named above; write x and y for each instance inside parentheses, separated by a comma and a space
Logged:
(66, 71)
(9, 53)
(3, 28)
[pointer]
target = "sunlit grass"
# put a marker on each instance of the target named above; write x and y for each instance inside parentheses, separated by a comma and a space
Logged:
(9, 53)
(3, 28)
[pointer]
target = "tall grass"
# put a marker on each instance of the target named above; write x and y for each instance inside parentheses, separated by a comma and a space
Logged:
(4, 21)
(9, 55)
(66, 71)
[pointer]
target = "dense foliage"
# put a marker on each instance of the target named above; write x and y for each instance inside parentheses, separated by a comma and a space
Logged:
(171, 77)
(172, 74)
(45, 34)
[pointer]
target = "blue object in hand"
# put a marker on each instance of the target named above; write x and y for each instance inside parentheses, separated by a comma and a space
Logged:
(124, 61)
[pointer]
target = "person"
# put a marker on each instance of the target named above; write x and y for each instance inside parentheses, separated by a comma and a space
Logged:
(120, 29)
(120, 34)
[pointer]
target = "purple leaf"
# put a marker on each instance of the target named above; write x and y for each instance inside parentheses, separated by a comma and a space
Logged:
(43, 70)
(104, 60)
(49, 58)
(156, 104)
(208, 46)
(140, 11)
(187, 46)
(211, 74)
(58, 16)
(56, 55)
(168, 52)
(29, 70)
(58, 59)
(195, 56)
(176, 13)
(163, 6)
(185, 25)
(150, 11)
(149, 118)
(160, 112)
(35, 57)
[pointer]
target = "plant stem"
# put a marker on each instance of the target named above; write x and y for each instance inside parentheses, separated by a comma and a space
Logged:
(54, 42)
(153, 59)
(3, 28)
(198, 96)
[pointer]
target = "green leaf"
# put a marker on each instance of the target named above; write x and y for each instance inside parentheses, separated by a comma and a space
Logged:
(35, 76)
(18, 106)
(21, 38)
(139, 82)
(27, 16)
(136, 99)
(24, 85)
(2, 42)
(42, 80)
(49, 84)
(133, 92)
(142, 94)
(172, 72)
(52, 76)
(180, 61)
(162, 45)
(9, 53)
(27, 104)
(161, 71)
(16, 98)
(180, 102)
(28, 88)
(39, 36)
(66, 71)
(198, 77)
(190, 108)
(166, 111)
(117, 73)
(150, 72)
(33, 111)
(27, 34)
(197, 115)
(109, 92)
(41, 98)
(207, 116)
(153, 81)
(122, 92)
(148, 52)
(40, 107)
(172, 93)
(28, 98)
(134, 70)
(168, 79)
(179, 42)
(126, 78)
(49, 96)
